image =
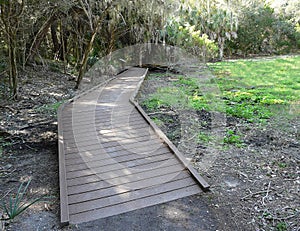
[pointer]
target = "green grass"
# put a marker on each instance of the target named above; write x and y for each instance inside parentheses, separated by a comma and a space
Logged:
(258, 89)
(251, 89)
(184, 93)
(281, 226)
(165, 97)
(254, 90)
(157, 121)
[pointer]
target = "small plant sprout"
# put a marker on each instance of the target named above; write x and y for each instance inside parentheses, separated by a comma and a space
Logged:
(232, 138)
(17, 204)
(203, 137)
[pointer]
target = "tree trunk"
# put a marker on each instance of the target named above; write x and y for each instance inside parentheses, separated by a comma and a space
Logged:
(221, 47)
(86, 54)
(85, 58)
(39, 38)
(55, 42)
(10, 16)
(13, 72)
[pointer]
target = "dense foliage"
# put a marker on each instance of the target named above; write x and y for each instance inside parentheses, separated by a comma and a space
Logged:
(77, 32)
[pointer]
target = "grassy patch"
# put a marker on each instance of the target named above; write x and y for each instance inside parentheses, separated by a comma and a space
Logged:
(251, 89)
(17, 204)
(185, 92)
(281, 226)
(258, 89)
(157, 121)
(165, 97)
(254, 90)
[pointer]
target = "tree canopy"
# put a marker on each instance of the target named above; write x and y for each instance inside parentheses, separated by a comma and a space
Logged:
(78, 32)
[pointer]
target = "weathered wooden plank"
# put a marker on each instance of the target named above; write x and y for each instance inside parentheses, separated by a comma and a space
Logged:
(141, 129)
(73, 153)
(107, 188)
(99, 109)
(132, 123)
(133, 205)
(113, 197)
(127, 173)
(119, 136)
(113, 159)
(103, 118)
(64, 209)
(113, 178)
(101, 184)
(132, 160)
(91, 145)
(76, 158)
(107, 166)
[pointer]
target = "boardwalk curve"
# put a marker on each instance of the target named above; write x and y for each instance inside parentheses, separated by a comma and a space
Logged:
(112, 157)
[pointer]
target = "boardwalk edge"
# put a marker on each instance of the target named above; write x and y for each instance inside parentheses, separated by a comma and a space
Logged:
(202, 182)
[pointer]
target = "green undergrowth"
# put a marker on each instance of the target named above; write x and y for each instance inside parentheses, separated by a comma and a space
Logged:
(259, 89)
(233, 138)
(204, 137)
(184, 92)
(3, 143)
(49, 108)
(254, 90)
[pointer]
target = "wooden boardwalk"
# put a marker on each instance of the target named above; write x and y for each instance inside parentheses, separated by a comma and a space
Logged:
(113, 159)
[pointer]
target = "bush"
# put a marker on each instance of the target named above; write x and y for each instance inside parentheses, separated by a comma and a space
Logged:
(261, 31)
(187, 36)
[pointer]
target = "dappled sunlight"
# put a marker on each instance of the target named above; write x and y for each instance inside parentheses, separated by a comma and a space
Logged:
(174, 213)
(110, 104)
(86, 154)
(122, 137)
(55, 94)
(111, 157)
(47, 134)
(84, 103)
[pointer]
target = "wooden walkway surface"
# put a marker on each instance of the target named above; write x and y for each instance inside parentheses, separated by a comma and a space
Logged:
(113, 159)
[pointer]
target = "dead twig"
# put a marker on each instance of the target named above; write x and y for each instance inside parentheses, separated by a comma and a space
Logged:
(254, 194)
(30, 147)
(272, 217)
(7, 107)
(267, 193)
(5, 195)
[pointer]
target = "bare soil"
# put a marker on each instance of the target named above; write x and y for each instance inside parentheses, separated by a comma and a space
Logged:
(29, 134)
(255, 187)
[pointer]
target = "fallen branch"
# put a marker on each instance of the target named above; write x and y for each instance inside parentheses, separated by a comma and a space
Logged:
(37, 124)
(283, 218)
(255, 193)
